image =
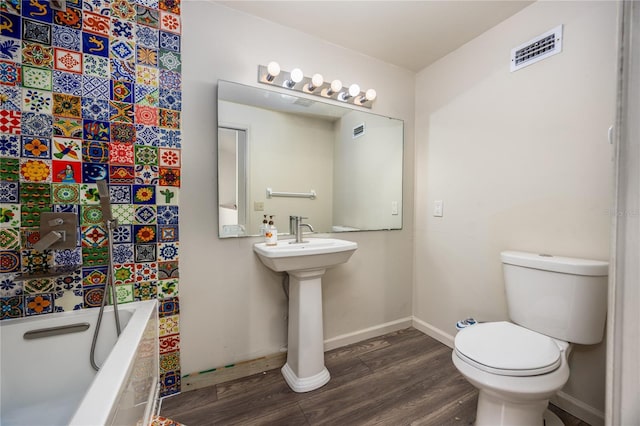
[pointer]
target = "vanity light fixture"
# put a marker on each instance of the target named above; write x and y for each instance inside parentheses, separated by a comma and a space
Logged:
(315, 85)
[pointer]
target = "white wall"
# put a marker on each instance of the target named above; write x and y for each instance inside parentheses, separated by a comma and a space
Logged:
(521, 161)
(232, 307)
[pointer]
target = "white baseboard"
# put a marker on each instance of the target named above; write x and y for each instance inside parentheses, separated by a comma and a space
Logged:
(434, 332)
(367, 333)
(578, 409)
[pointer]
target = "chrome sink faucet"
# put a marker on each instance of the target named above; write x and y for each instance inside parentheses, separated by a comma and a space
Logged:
(295, 223)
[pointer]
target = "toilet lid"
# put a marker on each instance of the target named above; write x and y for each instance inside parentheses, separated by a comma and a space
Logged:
(507, 349)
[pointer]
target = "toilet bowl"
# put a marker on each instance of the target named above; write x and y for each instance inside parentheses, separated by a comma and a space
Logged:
(515, 370)
(518, 366)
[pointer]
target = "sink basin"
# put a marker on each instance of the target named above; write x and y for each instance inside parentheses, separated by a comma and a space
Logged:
(316, 253)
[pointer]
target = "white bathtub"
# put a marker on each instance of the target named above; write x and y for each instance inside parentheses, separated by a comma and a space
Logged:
(49, 381)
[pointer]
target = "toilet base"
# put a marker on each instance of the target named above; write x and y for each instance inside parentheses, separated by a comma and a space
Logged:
(305, 384)
(494, 410)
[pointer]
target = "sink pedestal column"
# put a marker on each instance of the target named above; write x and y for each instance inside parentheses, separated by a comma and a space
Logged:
(305, 370)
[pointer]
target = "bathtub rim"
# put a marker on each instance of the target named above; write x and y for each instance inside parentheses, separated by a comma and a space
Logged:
(99, 403)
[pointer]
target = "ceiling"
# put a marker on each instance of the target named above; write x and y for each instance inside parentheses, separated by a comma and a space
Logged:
(409, 34)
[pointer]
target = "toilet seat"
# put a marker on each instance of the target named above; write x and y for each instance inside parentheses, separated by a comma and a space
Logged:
(507, 349)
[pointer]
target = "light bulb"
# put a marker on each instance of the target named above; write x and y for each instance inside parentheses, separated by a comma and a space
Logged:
(273, 70)
(336, 86)
(354, 90)
(297, 75)
(317, 80)
(370, 95)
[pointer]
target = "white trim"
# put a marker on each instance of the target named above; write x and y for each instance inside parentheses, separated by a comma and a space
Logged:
(578, 409)
(434, 332)
(367, 333)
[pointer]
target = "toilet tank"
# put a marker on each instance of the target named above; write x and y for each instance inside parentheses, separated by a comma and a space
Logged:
(561, 297)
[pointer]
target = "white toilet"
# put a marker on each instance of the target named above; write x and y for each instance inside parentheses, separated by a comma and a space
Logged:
(553, 303)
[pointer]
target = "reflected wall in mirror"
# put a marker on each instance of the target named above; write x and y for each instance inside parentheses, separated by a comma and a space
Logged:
(350, 159)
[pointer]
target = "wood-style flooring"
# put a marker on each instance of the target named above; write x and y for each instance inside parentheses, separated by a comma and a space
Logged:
(402, 378)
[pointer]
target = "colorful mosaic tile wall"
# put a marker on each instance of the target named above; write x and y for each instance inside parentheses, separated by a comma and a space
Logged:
(88, 92)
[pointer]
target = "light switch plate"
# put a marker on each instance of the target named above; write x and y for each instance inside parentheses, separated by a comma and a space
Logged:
(438, 206)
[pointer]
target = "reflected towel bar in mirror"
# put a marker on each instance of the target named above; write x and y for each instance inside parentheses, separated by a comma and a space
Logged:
(311, 194)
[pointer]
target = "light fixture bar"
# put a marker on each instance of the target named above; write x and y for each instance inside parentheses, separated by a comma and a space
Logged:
(316, 85)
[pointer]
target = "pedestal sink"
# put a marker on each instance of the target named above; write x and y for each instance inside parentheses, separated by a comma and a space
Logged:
(306, 263)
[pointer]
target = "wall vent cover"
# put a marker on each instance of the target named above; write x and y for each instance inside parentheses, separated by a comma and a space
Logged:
(541, 47)
(358, 131)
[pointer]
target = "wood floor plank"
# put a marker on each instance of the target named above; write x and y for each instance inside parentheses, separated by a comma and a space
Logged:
(402, 378)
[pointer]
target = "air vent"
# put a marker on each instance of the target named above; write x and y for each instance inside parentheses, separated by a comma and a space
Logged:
(541, 47)
(358, 131)
(304, 102)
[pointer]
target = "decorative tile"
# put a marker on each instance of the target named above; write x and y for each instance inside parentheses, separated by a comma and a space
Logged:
(169, 118)
(123, 273)
(67, 83)
(10, 122)
(146, 155)
(169, 41)
(34, 100)
(68, 106)
(36, 147)
(147, 16)
(124, 293)
(123, 50)
(122, 132)
(169, 343)
(94, 276)
(10, 169)
(38, 286)
(11, 307)
(35, 170)
(168, 288)
(67, 38)
(37, 55)
(10, 49)
(94, 256)
(147, 36)
(146, 95)
(149, 3)
(169, 325)
(147, 75)
(121, 112)
(9, 261)
(144, 234)
(10, 98)
(92, 172)
(35, 31)
(123, 9)
(123, 253)
(94, 236)
(95, 23)
(123, 70)
(170, 99)
(169, 195)
(29, 237)
(95, 44)
(169, 362)
(122, 30)
(11, 25)
(96, 66)
(67, 127)
(70, 17)
(30, 215)
(95, 130)
(147, 271)
(67, 208)
(69, 257)
(35, 124)
(36, 261)
(92, 296)
(146, 56)
(170, 22)
(144, 290)
(95, 109)
(10, 73)
(90, 215)
(168, 307)
(172, 6)
(67, 60)
(121, 153)
(124, 213)
(121, 174)
(169, 177)
(144, 215)
(168, 269)
(66, 149)
(9, 287)
(168, 251)
(102, 7)
(37, 9)
(146, 115)
(9, 215)
(35, 194)
(65, 193)
(123, 234)
(96, 87)
(38, 304)
(167, 233)
(9, 238)
(66, 171)
(168, 215)
(146, 175)
(145, 253)
(8, 192)
(120, 194)
(170, 80)
(121, 91)
(65, 301)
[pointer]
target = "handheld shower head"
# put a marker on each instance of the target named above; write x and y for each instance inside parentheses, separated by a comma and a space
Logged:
(105, 200)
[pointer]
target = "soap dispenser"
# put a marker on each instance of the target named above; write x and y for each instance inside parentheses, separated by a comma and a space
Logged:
(263, 227)
(271, 236)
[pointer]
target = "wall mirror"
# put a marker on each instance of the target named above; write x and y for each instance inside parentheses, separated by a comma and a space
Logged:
(283, 155)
